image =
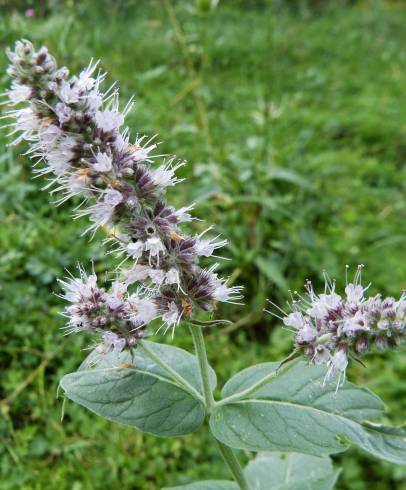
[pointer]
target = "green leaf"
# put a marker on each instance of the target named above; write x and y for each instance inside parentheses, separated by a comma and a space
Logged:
(153, 73)
(291, 177)
(292, 471)
(207, 485)
(272, 271)
(297, 412)
(162, 399)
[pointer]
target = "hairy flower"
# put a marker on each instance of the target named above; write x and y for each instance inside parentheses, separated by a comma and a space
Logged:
(329, 328)
(78, 137)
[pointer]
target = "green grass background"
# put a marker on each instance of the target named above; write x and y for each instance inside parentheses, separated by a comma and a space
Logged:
(292, 117)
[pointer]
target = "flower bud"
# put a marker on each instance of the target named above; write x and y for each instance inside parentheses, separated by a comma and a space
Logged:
(99, 321)
(381, 342)
(361, 344)
(308, 351)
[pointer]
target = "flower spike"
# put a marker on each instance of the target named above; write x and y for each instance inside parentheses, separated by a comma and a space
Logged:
(78, 138)
(330, 328)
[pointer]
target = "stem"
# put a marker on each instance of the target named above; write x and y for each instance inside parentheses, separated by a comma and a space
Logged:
(233, 465)
(200, 348)
(228, 454)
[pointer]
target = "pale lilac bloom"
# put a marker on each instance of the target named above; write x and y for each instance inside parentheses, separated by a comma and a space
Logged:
(206, 247)
(135, 249)
(103, 162)
(137, 273)
(355, 323)
(102, 212)
(306, 333)
(172, 276)
(76, 288)
(19, 93)
(144, 310)
(60, 156)
(121, 143)
(337, 365)
(27, 120)
(63, 112)
(157, 276)
(322, 355)
(93, 101)
(69, 93)
(324, 304)
(183, 214)
(85, 82)
(226, 294)
(112, 197)
(154, 246)
(115, 297)
(112, 340)
(354, 292)
(295, 320)
(77, 184)
(49, 135)
(108, 120)
(141, 153)
(172, 316)
(164, 176)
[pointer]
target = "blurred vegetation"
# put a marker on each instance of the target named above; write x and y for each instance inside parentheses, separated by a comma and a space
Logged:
(292, 116)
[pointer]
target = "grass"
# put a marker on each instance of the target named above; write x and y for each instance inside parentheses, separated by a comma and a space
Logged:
(293, 123)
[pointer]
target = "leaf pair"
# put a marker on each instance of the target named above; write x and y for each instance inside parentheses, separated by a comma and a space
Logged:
(294, 411)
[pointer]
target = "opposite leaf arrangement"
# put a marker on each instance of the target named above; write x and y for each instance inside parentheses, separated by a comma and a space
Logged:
(294, 413)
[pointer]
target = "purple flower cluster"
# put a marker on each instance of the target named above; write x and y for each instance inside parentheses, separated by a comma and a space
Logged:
(77, 136)
(329, 328)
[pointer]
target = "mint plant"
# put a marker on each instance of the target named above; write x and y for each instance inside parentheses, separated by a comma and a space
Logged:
(294, 413)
